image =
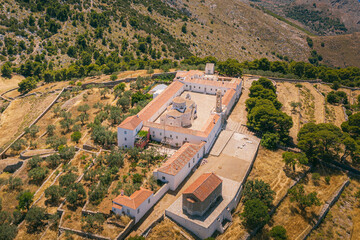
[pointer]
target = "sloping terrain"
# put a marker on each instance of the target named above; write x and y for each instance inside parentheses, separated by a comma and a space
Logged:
(340, 50)
(64, 33)
(324, 17)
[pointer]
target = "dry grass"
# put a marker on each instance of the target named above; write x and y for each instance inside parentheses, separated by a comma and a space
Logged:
(20, 114)
(268, 167)
(7, 84)
(290, 216)
(167, 229)
(343, 219)
(288, 93)
(339, 50)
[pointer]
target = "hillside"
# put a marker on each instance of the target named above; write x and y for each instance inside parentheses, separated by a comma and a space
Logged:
(340, 50)
(63, 33)
(324, 17)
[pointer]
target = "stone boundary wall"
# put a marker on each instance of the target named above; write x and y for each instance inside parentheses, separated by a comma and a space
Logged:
(301, 80)
(112, 84)
(82, 234)
(126, 230)
(326, 208)
(250, 235)
(34, 122)
(152, 225)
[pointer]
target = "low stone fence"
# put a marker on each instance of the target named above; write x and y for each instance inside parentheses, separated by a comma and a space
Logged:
(325, 210)
(152, 225)
(34, 122)
(111, 84)
(82, 234)
(126, 230)
(250, 235)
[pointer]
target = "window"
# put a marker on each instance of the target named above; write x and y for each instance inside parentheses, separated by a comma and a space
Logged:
(193, 160)
(128, 211)
(126, 146)
(189, 164)
(185, 139)
(176, 137)
(149, 200)
(154, 132)
(163, 178)
(199, 87)
(171, 135)
(125, 139)
(125, 132)
(198, 155)
(138, 211)
(160, 134)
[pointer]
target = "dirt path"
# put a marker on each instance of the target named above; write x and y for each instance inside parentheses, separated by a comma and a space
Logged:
(239, 112)
(288, 93)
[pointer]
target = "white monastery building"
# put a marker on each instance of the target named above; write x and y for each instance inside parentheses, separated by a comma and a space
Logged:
(188, 114)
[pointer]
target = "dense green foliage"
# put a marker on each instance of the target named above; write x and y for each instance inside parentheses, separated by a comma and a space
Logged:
(255, 213)
(316, 19)
(325, 141)
(264, 114)
(258, 189)
(278, 233)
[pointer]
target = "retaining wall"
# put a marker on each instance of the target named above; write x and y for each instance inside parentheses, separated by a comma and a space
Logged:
(326, 209)
(34, 122)
(250, 235)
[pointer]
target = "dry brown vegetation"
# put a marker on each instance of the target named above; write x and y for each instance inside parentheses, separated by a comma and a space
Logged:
(297, 222)
(339, 50)
(167, 229)
(342, 221)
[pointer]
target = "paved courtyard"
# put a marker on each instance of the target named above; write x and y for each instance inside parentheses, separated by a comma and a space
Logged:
(205, 104)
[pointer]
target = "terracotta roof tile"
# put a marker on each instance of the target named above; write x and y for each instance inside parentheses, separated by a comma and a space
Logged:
(208, 126)
(180, 158)
(130, 123)
(228, 96)
(203, 186)
(147, 112)
(135, 200)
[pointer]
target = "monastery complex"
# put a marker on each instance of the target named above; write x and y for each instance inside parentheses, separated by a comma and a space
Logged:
(188, 115)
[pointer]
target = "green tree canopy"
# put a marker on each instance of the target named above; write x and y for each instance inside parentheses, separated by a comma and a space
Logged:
(255, 213)
(258, 189)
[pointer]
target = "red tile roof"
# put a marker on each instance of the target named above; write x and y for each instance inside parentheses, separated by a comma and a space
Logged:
(180, 158)
(228, 96)
(147, 112)
(117, 206)
(135, 200)
(205, 131)
(131, 122)
(203, 186)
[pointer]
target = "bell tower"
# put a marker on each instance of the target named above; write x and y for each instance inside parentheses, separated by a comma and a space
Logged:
(218, 101)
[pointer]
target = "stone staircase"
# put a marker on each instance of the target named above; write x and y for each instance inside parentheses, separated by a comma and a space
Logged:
(238, 127)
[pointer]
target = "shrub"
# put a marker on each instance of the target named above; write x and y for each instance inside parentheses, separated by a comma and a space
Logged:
(255, 213)
(278, 233)
(270, 140)
(258, 189)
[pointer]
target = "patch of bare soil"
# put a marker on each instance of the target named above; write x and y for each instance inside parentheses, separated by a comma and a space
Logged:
(19, 114)
(7, 84)
(287, 94)
(239, 113)
(167, 229)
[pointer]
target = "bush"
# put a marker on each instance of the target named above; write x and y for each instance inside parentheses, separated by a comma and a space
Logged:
(278, 233)
(270, 140)
(255, 213)
(258, 189)
(76, 136)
